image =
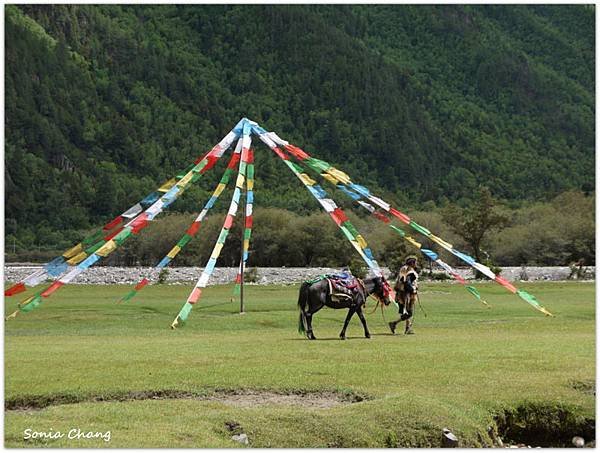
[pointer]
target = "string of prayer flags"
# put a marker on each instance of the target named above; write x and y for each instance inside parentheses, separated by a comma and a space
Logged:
(192, 229)
(135, 225)
(339, 178)
(202, 282)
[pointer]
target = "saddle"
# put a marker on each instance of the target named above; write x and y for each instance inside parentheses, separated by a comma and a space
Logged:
(342, 289)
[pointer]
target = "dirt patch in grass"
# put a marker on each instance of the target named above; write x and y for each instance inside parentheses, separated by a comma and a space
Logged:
(587, 387)
(231, 397)
(544, 425)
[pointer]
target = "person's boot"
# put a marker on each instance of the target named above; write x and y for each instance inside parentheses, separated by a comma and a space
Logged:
(408, 330)
(392, 325)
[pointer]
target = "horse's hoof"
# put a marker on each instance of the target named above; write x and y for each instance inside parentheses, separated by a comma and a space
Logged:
(367, 336)
(342, 338)
(392, 327)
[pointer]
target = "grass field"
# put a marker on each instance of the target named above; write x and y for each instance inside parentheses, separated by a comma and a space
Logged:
(83, 361)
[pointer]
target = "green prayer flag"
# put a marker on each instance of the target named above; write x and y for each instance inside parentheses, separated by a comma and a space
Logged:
(247, 233)
(398, 230)
(129, 296)
(198, 167)
(317, 164)
(185, 312)
(93, 238)
(95, 247)
(351, 229)
(296, 167)
(473, 291)
(347, 233)
(184, 240)
(186, 171)
(222, 236)
(123, 234)
(528, 298)
(250, 171)
(419, 228)
(33, 303)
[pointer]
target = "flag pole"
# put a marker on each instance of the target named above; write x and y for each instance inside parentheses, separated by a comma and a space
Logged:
(243, 226)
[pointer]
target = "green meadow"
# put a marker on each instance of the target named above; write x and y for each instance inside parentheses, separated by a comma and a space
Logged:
(83, 361)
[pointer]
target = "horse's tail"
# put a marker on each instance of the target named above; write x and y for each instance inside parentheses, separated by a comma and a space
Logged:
(302, 305)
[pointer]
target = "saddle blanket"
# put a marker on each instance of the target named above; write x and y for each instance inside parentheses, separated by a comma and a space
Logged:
(342, 289)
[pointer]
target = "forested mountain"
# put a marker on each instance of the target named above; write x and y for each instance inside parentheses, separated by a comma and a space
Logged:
(103, 103)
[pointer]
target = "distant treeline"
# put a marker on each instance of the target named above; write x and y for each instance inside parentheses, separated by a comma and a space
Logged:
(416, 102)
(558, 232)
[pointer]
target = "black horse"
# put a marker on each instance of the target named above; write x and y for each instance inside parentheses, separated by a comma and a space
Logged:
(315, 296)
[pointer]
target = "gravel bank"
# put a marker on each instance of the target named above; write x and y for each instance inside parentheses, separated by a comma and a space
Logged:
(266, 275)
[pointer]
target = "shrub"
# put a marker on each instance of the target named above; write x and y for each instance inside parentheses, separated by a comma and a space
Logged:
(162, 276)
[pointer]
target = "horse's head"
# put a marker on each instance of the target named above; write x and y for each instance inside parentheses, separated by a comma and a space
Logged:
(383, 291)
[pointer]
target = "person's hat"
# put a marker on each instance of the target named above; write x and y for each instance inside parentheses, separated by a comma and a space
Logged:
(410, 258)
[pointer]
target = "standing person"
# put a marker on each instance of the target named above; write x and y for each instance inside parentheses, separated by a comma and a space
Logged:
(406, 288)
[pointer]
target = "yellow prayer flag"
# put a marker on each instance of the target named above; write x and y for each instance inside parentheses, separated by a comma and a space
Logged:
(77, 258)
(250, 184)
(361, 241)
(240, 181)
(73, 251)
(357, 246)
(217, 251)
(412, 241)
(186, 179)
(440, 241)
(246, 244)
(107, 248)
(306, 179)
(166, 186)
(174, 251)
(340, 175)
(329, 178)
(219, 189)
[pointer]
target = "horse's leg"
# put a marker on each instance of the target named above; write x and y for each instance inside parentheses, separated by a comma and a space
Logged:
(410, 309)
(309, 331)
(351, 311)
(360, 314)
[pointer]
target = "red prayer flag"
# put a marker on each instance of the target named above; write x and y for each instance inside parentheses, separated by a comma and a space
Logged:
(141, 284)
(459, 278)
(249, 221)
(234, 160)
(15, 289)
(193, 229)
(140, 223)
(197, 161)
(228, 221)
(280, 153)
(506, 284)
(381, 216)
(195, 295)
(113, 223)
(245, 152)
(250, 156)
(113, 234)
(53, 287)
(339, 216)
(400, 215)
(296, 152)
(212, 160)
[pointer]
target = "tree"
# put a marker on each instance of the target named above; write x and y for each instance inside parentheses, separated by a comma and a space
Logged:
(474, 222)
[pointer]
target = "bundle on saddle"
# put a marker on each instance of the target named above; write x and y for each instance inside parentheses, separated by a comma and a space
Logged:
(343, 287)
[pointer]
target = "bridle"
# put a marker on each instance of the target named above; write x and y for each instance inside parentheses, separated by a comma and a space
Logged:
(387, 291)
